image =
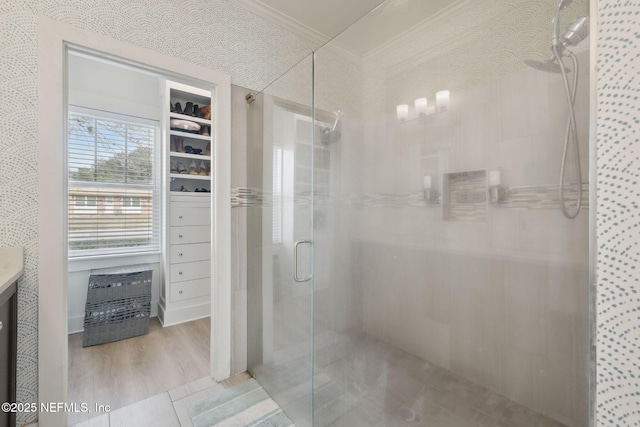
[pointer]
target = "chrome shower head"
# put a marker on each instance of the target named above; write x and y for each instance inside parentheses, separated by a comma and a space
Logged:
(333, 134)
(548, 66)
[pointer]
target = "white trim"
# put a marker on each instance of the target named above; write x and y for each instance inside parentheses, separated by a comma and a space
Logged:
(52, 255)
(221, 235)
(593, 209)
(182, 314)
(411, 34)
(285, 21)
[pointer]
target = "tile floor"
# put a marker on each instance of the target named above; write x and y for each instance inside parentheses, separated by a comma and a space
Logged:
(363, 382)
(168, 409)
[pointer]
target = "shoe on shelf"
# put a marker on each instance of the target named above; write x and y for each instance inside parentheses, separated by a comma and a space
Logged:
(180, 145)
(193, 168)
(188, 109)
(202, 169)
(174, 168)
(178, 108)
(171, 107)
(181, 168)
(207, 151)
(172, 144)
(205, 131)
(196, 110)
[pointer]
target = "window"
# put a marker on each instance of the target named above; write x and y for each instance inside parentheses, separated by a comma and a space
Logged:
(114, 184)
(132, 204)
(85, 204)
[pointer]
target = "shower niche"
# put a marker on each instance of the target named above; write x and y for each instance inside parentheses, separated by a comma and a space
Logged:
(464, 196)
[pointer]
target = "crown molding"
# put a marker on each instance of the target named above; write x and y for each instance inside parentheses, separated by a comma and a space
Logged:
(410, 35)
(285, 21)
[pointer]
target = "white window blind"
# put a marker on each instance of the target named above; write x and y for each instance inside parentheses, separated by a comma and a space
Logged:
(114, 184)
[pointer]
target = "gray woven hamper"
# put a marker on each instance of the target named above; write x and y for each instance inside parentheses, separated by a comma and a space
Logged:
(118, 304)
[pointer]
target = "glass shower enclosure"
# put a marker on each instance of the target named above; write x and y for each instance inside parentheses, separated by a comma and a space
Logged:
(411, 262)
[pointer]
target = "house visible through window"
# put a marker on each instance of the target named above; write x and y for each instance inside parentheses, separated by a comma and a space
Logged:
(114, 184)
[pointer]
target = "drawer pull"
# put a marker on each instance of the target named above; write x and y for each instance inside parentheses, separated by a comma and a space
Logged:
(180, 236)
(180, 254)
(180, 273)
(180, 292)
(180, 217)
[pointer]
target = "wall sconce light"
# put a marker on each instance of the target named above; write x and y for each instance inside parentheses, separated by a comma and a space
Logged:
(497, 193)
(442, 100)
(430, 194)
(403, 112)
(422, 107)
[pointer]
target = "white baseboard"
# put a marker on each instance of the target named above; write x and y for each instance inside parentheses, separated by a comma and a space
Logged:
(170, 317)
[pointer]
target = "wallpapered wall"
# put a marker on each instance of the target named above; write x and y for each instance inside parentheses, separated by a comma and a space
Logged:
(618, 234)
(254, 52)
(209, 33)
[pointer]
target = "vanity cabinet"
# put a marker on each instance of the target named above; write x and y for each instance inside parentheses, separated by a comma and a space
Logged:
(8, 351)
(186, 285)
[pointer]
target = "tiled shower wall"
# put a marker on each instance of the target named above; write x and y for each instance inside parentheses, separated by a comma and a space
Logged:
(500, 294)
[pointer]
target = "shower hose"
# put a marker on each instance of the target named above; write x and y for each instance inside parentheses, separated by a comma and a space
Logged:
(572, 130)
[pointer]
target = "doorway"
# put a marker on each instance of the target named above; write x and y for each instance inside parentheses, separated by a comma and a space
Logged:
(54, 40)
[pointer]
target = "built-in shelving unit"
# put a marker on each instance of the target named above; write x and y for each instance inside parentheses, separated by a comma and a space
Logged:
(185, 294)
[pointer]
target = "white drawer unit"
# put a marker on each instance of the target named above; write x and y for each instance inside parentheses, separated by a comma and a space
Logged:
(190, 253)
(190, 289)
(188, 239)
(190, 271)
(190, 234)
(181, 216)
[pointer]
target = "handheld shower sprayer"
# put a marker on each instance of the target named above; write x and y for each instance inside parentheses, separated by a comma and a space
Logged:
(576, 32)
(555, 21)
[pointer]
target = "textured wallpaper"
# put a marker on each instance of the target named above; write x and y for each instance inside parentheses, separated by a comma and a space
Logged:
(618, 234)
(18, 181)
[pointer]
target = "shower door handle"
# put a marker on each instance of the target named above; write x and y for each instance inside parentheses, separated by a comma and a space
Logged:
(295, 261)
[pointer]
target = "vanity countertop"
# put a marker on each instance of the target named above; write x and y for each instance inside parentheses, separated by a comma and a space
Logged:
(11, 266)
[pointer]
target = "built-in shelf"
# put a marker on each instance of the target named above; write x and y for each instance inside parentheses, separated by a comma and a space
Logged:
(189, 176)
(190, 118)
(464, 196)
(190, 135)
(189, 156)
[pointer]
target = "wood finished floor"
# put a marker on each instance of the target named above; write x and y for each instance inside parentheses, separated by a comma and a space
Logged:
(124, 372)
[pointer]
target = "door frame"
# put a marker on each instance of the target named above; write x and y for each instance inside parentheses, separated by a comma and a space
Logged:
(53, 38)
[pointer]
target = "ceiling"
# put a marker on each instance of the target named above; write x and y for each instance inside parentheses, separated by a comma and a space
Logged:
(324, 20)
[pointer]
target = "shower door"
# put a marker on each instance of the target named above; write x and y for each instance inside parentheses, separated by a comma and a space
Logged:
(280, 336)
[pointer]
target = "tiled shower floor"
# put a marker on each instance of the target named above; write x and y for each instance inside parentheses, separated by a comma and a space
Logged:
(366, 382)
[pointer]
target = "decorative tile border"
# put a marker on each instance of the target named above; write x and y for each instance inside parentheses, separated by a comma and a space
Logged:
(242, 197)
